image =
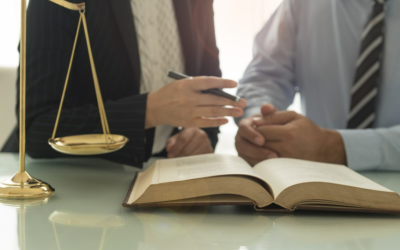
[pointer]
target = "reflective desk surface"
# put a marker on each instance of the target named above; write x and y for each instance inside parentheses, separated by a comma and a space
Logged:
(86, 213)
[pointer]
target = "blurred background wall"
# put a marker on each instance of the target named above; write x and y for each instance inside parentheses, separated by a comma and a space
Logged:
(7, 102)
(237, 22)
(9, 30)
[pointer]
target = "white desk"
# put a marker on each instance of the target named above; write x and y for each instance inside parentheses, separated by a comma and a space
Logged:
(85, 214)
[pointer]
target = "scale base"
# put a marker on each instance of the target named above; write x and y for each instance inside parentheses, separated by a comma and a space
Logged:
(24, 186)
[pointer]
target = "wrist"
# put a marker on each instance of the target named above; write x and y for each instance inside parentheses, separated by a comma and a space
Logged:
(151, 111)
(333, 150)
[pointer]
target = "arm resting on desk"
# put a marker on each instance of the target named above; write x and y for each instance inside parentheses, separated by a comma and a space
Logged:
(373, 149)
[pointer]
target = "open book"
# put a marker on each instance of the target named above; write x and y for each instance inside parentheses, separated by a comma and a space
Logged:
(272, 185)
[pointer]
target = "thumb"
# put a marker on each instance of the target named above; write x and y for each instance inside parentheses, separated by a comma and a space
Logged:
(268, 109)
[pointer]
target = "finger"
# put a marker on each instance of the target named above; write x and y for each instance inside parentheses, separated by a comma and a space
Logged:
(209, 122)
(268, 109)
(189, 148)
(277, 118)
(273, 132)
(247, 131)
(205, 82)
(249, 150)
(183, 139)
(195, 143)
(276, 146)
(214, 100)
(171, 142)
(217, 111)
(203, 149)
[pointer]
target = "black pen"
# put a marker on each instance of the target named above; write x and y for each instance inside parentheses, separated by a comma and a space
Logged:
(218, 92)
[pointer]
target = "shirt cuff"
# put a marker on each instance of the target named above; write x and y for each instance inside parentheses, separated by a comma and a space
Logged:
(248, 112)
(362, 149)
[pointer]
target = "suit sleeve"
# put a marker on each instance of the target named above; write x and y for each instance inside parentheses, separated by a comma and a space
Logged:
(50, 37)
(270, 77)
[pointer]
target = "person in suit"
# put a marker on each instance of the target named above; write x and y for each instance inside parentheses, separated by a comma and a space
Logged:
(134, 43)
(344, 59)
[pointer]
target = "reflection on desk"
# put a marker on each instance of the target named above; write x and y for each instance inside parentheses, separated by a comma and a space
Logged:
(85, 214)
(21, 206)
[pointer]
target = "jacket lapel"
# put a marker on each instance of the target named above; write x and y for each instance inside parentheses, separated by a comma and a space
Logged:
(185, 19)
(124, 17)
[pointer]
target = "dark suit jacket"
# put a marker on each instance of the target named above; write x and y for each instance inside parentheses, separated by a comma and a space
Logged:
(50, 35)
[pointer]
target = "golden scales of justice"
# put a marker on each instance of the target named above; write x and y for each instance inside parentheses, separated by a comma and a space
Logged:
(22, 185)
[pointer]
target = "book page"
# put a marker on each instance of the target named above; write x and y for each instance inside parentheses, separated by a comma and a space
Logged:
(188, 168)
(220, 198)
(143, 182)
(202, 166)
(283, 173)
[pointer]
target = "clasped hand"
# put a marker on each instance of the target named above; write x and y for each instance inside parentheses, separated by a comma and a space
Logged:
(274, 133)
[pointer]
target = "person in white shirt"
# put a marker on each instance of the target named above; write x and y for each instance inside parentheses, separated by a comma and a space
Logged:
(343, 57)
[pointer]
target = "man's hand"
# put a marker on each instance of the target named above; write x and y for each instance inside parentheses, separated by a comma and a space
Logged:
(190, 141)
(295, 136)
(181, 104)
(249, 142)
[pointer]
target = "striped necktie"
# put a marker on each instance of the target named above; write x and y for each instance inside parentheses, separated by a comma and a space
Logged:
(365, 89)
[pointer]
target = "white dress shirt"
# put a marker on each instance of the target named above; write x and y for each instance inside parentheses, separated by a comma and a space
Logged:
(312, 46)
(160, 51)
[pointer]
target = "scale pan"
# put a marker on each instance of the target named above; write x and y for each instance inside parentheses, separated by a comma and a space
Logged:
(93, 144)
